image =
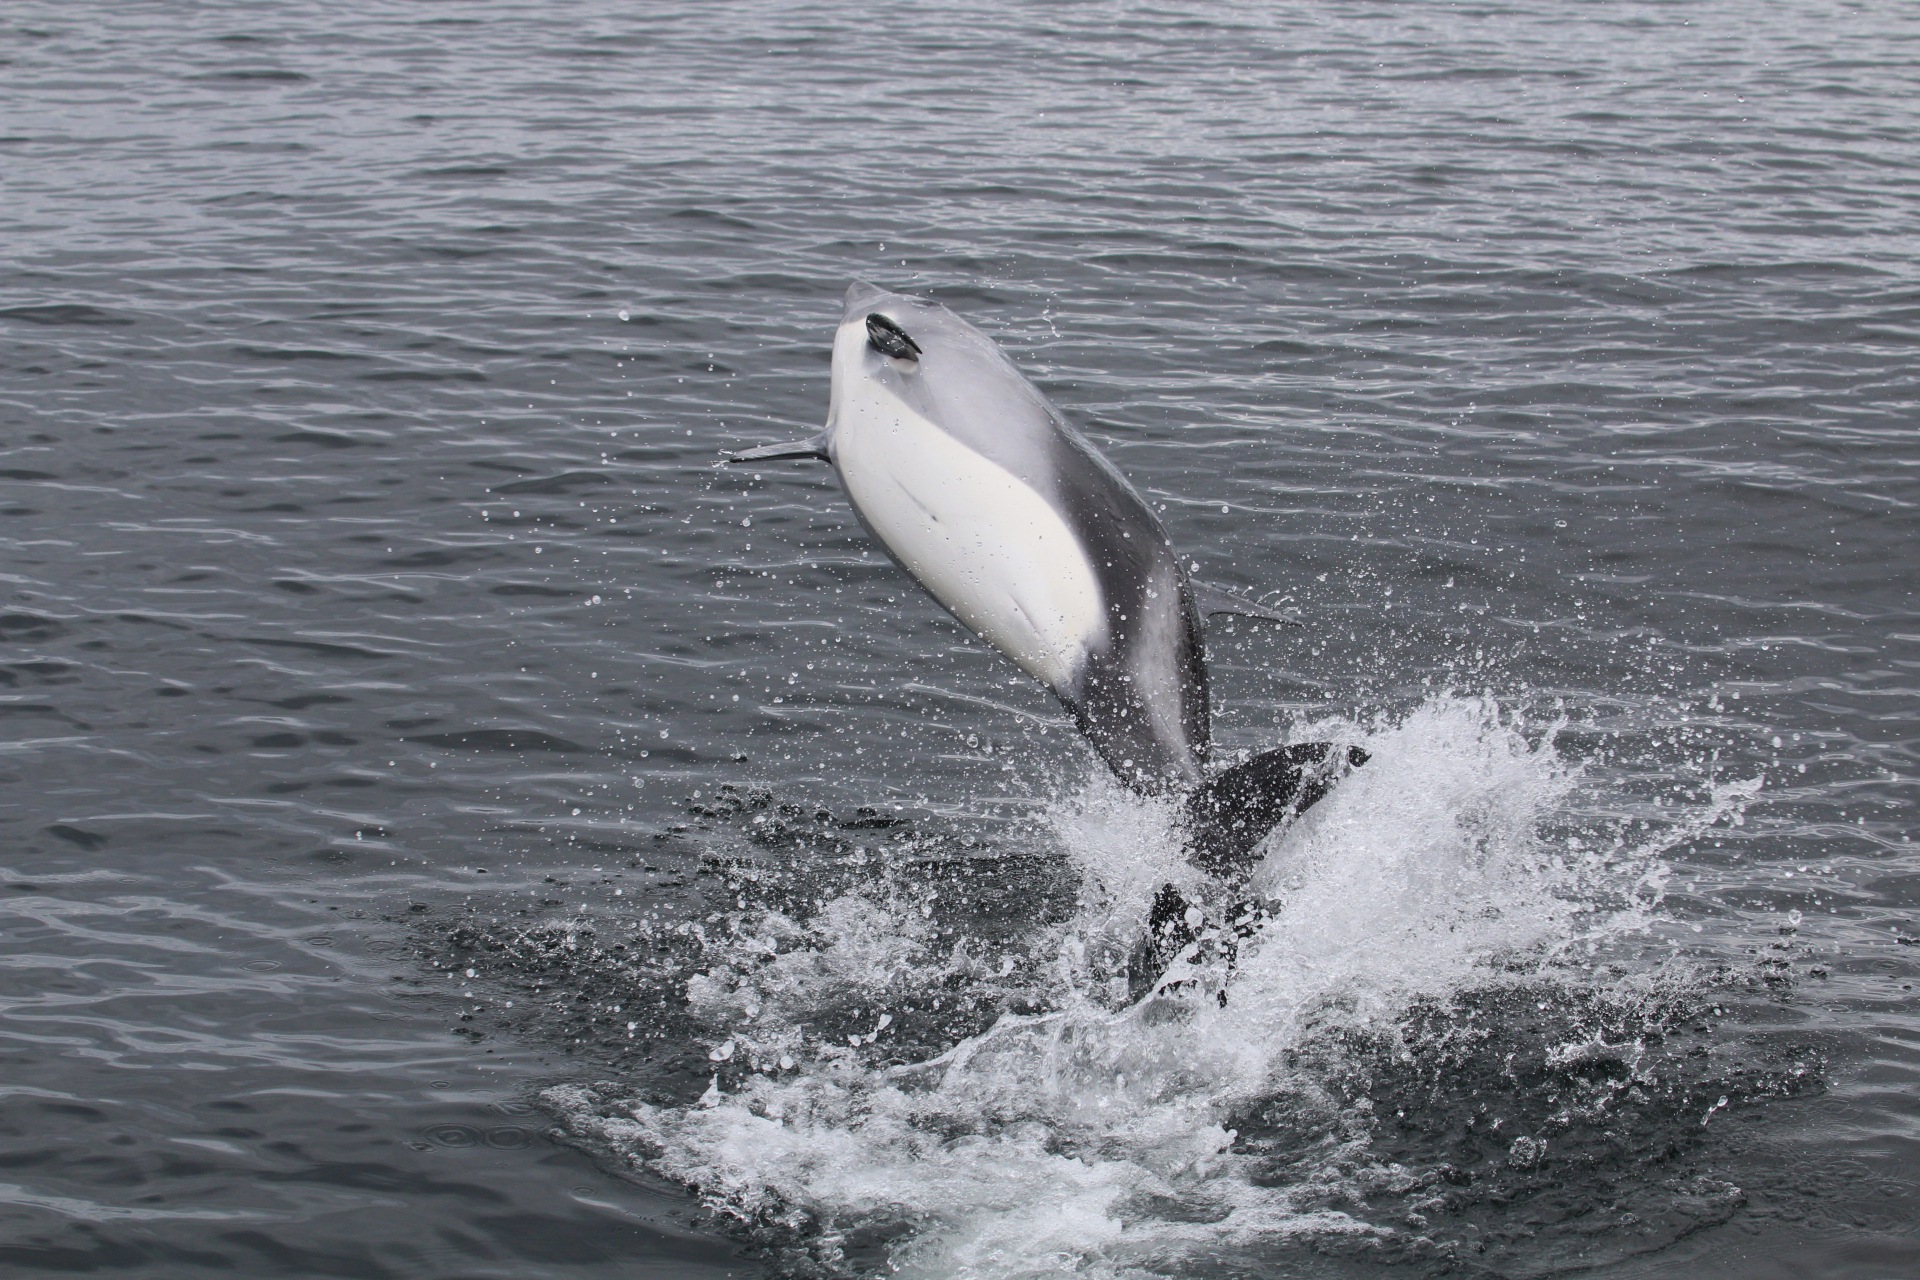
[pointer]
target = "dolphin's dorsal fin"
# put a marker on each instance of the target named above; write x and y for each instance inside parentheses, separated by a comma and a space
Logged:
(1212, 600)
(815, 448)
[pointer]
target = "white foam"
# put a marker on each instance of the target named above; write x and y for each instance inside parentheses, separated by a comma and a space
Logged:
(1095, 1141)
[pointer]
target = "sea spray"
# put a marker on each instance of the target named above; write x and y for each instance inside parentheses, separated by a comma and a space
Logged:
(1097, 1138)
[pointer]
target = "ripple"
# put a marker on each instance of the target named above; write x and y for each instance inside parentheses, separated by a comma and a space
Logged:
(453, 1135)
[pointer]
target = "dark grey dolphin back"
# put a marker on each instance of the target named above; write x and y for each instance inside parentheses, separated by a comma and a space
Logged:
(1143, 699)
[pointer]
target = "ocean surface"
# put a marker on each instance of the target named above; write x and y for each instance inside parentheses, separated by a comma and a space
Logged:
(451, 827)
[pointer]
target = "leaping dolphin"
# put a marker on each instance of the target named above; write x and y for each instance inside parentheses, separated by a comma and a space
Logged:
(1014, 522)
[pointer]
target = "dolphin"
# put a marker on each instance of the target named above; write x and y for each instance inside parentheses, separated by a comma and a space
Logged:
(1009, 517)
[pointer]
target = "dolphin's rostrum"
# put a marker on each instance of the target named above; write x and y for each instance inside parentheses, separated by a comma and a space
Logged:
(1009, 517)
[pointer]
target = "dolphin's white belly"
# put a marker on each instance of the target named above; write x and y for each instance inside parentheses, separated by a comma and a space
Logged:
(986, 545)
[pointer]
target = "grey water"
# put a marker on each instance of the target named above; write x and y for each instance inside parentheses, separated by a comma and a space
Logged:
(453, 829)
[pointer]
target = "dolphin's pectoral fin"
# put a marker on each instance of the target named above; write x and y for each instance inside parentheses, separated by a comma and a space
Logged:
(1229, 815)
(815, 448)
(1212, 600)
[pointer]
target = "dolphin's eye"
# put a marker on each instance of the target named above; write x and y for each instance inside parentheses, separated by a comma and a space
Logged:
(889, 339)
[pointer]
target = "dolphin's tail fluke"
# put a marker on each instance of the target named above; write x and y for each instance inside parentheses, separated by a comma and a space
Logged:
(1226, 820)
(1229, 815)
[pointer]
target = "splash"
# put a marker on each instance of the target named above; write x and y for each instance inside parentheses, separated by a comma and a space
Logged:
(1103, 1139)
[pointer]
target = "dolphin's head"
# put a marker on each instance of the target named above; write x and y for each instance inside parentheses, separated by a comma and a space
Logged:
(874, 330)
(918, 351)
